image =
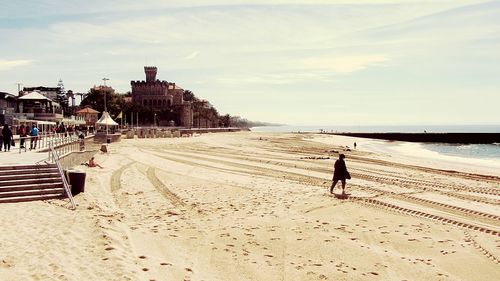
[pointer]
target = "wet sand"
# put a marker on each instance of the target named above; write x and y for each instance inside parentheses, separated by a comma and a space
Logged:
(255, 206)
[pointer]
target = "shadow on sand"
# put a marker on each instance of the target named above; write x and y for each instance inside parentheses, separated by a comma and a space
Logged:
(342, 196)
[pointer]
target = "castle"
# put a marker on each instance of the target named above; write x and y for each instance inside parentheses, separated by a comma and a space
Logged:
(162, 95)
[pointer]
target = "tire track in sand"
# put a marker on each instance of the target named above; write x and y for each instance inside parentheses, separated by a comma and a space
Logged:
(412, 212)
(468, 238)
(116, 176)
(163, 190)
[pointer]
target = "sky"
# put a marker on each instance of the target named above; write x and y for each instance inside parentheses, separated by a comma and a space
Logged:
(296, 62)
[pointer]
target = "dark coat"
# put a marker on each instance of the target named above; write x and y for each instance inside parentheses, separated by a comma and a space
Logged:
(7, 133)
(340, 172)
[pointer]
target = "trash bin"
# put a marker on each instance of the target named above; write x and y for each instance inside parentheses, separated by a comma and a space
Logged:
(76, 179)
(108, 140)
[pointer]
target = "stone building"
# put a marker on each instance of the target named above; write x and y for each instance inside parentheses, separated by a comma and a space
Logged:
(8, 105)
(161, 95)
(89, 115)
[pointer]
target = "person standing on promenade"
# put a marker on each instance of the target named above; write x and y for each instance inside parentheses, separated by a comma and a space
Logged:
(34, 137)
(1, 139)
(355, 145)
(7, 137)
(22, 135)
(340, 173)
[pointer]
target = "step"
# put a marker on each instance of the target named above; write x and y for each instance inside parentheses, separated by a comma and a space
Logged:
(31, 187)
(29, 171)
(53, 191)
(16, 176)
(22, 167)
(25, 181)
(30, 198)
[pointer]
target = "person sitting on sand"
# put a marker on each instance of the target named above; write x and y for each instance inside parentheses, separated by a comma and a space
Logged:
(92, 163)
(340, 173)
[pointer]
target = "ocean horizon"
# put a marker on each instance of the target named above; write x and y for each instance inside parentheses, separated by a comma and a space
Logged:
(381, 128)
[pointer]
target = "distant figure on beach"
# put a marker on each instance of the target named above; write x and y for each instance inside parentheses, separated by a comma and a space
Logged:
(7, 137)
(92, 163)
(81, 137)
(340, 173)
(355, 145)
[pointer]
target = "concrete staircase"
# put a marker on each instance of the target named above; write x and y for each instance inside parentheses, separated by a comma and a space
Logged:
(29, 183)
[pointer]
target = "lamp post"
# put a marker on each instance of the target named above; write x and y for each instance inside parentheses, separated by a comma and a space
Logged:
(105, 108)
(154, 120)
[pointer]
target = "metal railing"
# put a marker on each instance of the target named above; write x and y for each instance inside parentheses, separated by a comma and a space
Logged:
(43, 141)
(67, 189)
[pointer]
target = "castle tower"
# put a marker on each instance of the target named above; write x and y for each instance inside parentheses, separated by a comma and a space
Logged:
(150, 73)
(186, 115)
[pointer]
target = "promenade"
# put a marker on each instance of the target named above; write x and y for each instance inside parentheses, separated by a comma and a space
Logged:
(13, 157)
(17, 156)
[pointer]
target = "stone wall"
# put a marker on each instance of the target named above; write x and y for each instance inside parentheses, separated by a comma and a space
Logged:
(75, 159)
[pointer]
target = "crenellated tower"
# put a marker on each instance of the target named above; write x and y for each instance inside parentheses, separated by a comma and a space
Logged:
(161, 95)
(150, 73)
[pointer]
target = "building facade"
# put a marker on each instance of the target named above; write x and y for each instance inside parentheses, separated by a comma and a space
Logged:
(161, 95)
(89, 115)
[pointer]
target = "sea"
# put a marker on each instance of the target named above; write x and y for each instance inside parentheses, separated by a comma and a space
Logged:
(474, 151)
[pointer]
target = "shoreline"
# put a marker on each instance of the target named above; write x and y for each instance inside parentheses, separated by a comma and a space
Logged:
(255, 206)
(445, 138)
(416, 153)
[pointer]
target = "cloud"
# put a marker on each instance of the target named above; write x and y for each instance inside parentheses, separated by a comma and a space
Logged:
(276, 78)
(346, 64)
(9, 64)
(192, 55)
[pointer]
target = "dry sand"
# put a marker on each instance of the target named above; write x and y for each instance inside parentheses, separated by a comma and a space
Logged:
(255, 206)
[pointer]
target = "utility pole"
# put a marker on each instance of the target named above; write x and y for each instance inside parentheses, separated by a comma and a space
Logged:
(105, 94)
(18, 87)
(105, 108)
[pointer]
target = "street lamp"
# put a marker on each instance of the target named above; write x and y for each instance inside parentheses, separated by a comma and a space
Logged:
(154, 120)
(105, 108)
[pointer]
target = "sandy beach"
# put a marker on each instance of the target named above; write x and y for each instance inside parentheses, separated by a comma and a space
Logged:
(256, 206)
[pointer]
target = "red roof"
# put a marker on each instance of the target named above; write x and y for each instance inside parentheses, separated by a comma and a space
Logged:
(87, 110)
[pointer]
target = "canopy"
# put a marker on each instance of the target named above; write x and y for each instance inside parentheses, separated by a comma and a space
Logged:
(106, 120)
(34, 96)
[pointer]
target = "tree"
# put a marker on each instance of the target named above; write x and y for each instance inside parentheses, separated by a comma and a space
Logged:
(95, 99)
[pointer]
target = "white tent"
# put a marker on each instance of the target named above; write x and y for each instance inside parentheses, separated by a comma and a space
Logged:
(106, 120)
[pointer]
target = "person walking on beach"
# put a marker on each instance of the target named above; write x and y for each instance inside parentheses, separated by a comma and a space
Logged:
(340, 173)
(7, 137)
(355, 145)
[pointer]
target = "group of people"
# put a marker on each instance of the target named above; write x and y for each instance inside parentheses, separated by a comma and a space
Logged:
(25, 131)
(7, 137)
(65, 129)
